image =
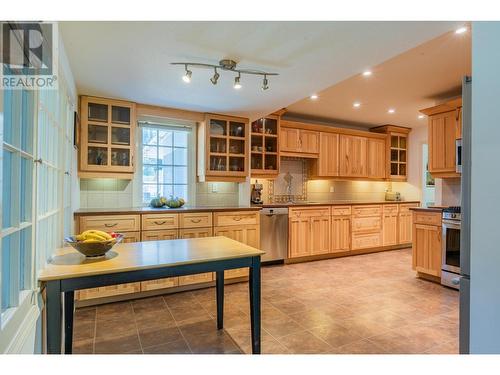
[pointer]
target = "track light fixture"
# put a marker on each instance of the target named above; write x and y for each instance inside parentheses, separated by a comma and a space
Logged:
(237, 84)
(187, 76)
(265, 83)
(215, 78)
(228, 65)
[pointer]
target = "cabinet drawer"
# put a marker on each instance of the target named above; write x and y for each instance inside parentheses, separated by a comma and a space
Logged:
(341, 210)
(303, 212)
(108, 291)
(235, 218)
(196, 220)
(366, 224)
(168, 282)
(196, 279)
(368, 210)
(159, 235)
(366, 241)
(111, 223)
(160, 221)
(237, 272)
(391, 209)
(427, 218)
(405, 207)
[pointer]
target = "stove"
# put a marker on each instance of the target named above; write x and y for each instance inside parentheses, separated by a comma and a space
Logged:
(452, 213)
(451, 246)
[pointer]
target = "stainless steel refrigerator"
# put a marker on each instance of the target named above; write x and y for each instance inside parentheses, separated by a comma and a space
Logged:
(464, 279)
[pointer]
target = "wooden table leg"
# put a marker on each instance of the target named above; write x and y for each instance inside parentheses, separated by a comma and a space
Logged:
(69, 308)
(54, 314)
(219, 285)
(254, 285)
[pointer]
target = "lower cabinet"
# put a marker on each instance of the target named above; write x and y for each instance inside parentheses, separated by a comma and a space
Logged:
(201, 277)
(156, 235)
(405, 220)
(247, 234)
(390, 225)
(108, 291)
(366, 240)
(341, 233)
(309, 231)
(426, 247)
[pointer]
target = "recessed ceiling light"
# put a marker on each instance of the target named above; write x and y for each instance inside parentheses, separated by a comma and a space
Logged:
(421, 116)
(314, 96)
(356, 104)
(391, 110)
(461, 30)
(367, 73)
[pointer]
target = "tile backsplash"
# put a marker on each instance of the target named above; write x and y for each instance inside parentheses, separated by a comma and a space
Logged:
(328, 190)
(111, 193)
(104, 192)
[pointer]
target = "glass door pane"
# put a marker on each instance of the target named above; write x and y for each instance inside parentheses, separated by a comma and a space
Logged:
(236, 129)
(120, 136)
(98, 134)
(120, 156)
(120, 115)
(98, 112)
(97, 155)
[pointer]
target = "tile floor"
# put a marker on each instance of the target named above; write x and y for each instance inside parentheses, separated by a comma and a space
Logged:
(362, 304)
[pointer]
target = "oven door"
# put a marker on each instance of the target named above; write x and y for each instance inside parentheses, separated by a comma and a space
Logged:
(451, 246)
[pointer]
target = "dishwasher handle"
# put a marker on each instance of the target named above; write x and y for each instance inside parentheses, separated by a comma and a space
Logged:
(274, 211)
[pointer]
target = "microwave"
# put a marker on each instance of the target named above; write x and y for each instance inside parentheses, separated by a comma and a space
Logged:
(458, 158)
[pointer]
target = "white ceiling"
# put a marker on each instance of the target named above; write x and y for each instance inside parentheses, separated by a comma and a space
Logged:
(131, 60)
(416, 79)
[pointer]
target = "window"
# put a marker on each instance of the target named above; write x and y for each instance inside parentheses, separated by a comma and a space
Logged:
(16, 198)
(165, 162)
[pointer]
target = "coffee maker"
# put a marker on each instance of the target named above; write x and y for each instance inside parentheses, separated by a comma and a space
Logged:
(256, 196)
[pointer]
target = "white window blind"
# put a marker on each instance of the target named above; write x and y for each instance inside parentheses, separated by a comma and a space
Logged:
(165, 161)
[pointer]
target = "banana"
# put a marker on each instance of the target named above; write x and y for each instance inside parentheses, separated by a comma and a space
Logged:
(99, 233)
(91, 241)
(94, 236)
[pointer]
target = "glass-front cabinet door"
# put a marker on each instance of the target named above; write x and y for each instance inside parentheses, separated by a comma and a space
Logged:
(106, 137)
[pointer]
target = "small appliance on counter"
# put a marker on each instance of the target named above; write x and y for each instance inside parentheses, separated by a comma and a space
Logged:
(392, 196)
(256, 196)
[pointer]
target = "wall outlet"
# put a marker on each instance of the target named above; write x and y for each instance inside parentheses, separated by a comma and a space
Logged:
(215, 188)
(332, 189)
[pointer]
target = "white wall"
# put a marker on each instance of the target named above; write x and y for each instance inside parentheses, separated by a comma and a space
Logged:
(485, 182)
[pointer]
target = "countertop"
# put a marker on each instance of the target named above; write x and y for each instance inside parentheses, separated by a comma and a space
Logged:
(332, 203)
(429, 209)
(151, 210)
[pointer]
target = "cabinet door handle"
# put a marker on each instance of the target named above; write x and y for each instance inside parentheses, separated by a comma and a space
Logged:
(195, 220)
(237, 218)
(159, 222)
(110, 225)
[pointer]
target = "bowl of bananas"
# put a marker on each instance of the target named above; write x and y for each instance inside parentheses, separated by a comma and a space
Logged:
(94, 243)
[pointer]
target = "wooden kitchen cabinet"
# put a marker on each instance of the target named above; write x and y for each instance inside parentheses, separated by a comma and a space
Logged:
(327, 164)
(444, 128)
(390, 225)
(309, 231)
(405, 223)
(196, 233)
(341, 233)
(247, 234)
(106, 138)
(366, 226)
(265, 147)
(427, 249)
(353, 156)
(295, 141)
(223, 148)
(396, 151)
(376, 159)
(107, 291)
(159, 235)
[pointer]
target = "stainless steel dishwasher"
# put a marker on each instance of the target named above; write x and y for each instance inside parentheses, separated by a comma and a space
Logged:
(274, 234)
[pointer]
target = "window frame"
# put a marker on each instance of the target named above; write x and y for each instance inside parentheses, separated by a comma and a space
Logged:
(191, 158)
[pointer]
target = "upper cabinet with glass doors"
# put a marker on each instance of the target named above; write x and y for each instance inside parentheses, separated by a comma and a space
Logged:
(106, 138)
(397, 151)
(223, 148)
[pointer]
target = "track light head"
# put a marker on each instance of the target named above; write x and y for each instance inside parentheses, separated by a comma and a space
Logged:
(265, 83)
(215, 78)
(187, 77)
(237, 84)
